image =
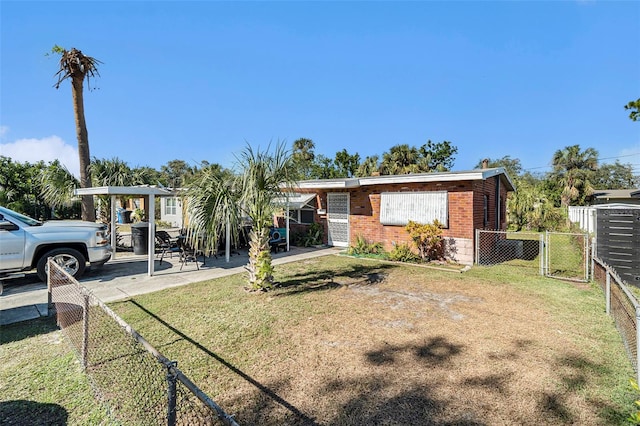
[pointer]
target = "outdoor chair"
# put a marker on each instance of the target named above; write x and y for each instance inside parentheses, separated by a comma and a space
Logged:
(166, 244)
(189, 252)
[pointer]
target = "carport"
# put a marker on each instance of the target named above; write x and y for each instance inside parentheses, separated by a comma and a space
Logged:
(142, 190)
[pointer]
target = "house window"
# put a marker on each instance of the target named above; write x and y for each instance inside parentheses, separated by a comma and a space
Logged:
(170, 207)
(398, 208)
(304, 216)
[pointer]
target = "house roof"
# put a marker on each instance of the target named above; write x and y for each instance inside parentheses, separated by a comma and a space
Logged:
(616, 193)
(346, 183)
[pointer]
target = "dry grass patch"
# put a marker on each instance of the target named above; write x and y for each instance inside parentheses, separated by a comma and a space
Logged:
(353, 342)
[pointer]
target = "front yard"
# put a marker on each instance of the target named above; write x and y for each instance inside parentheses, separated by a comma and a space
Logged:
(357, 342)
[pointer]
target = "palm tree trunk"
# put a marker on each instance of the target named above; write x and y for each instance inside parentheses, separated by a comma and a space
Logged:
(260, 266)
(88, 207)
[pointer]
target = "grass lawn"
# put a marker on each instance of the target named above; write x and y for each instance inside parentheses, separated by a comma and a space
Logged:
(356, 342)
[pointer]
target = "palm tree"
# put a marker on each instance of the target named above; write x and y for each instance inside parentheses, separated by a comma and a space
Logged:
(76, 66)
(215, 200)
(57, 185)
(400, 160)
(573, 168)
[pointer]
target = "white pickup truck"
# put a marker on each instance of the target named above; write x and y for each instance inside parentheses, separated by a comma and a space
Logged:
(26, 244)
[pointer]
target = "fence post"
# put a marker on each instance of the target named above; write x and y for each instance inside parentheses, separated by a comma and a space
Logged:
(586, 257)
(85, 329)
(607, 292)
(593, 258)
(49, 290)
(637, 344)
(171, 393)
(541, 251)
(477, 246)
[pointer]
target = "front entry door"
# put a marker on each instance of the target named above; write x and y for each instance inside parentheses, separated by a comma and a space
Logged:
(338, 218)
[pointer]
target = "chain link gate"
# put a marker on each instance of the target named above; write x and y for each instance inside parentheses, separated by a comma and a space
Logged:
(554, 254)
(567, 256)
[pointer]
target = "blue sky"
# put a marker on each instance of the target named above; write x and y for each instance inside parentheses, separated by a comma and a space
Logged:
(198, 80)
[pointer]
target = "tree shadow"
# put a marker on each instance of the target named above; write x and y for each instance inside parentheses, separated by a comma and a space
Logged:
(437, 350)
(329, 279)
(22, 412)
(265, 392)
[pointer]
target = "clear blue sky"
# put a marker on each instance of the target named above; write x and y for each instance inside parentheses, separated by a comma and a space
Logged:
(197, 80)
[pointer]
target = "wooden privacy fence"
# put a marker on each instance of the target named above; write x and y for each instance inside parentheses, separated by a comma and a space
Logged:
(618, 241)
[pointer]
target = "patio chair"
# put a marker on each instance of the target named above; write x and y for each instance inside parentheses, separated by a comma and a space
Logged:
(166, 244)
(188, 252)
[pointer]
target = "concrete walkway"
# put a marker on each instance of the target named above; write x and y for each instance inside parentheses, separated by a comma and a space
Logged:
(126, 276)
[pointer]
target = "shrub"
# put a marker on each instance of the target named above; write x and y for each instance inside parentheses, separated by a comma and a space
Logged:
(362, 246)
(428, 239)
(402, 253)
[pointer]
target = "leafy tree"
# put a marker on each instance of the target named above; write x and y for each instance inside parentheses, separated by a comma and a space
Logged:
(512, 166)
(303, 157)
(76, 66)
(346, 164)
(437, 157)
(323, 167)
(369, 166)
(634, 107)
(177, 173)
(215, 200)
(574, 169)
(615, 176)
(19, 187)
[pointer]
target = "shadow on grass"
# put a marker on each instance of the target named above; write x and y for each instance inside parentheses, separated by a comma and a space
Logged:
(22, 412)
(438, 350)
(295, 413)
(327, 279)
(26, 329)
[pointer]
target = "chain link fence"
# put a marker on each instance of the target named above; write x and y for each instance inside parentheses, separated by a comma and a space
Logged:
(519, 249)
(137, 382)
(554, 254)
(622, 306)
(567, 256)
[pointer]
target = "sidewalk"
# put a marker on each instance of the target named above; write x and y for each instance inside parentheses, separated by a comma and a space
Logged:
(26, 298)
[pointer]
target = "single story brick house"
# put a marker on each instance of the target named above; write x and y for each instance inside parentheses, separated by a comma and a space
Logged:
(379, 207)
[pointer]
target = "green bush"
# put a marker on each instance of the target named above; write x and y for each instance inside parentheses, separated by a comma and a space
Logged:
(309, 238)
(402, 253)
(428, 239)
(363, 247)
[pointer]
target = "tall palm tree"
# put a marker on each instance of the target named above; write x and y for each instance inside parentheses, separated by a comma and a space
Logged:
(76, 66)
(215, 200)
(573, 168)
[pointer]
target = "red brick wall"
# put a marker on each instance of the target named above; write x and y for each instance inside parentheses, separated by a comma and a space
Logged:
(465, 203)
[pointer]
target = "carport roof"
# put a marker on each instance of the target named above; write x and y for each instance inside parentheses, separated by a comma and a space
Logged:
(125, 190)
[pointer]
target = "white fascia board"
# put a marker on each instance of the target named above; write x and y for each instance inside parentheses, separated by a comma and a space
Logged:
(329, 184)
(123, 190)
(420, 178)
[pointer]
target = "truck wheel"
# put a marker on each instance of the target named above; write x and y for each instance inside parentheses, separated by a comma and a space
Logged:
(69, 259)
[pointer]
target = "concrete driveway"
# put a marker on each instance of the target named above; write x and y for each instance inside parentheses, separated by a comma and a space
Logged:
(126, 276)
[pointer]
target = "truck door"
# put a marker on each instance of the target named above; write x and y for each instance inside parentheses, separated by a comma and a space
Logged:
(12, 239)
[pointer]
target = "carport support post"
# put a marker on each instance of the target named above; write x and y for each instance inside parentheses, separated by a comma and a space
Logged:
(113, 227)
(152, 233)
